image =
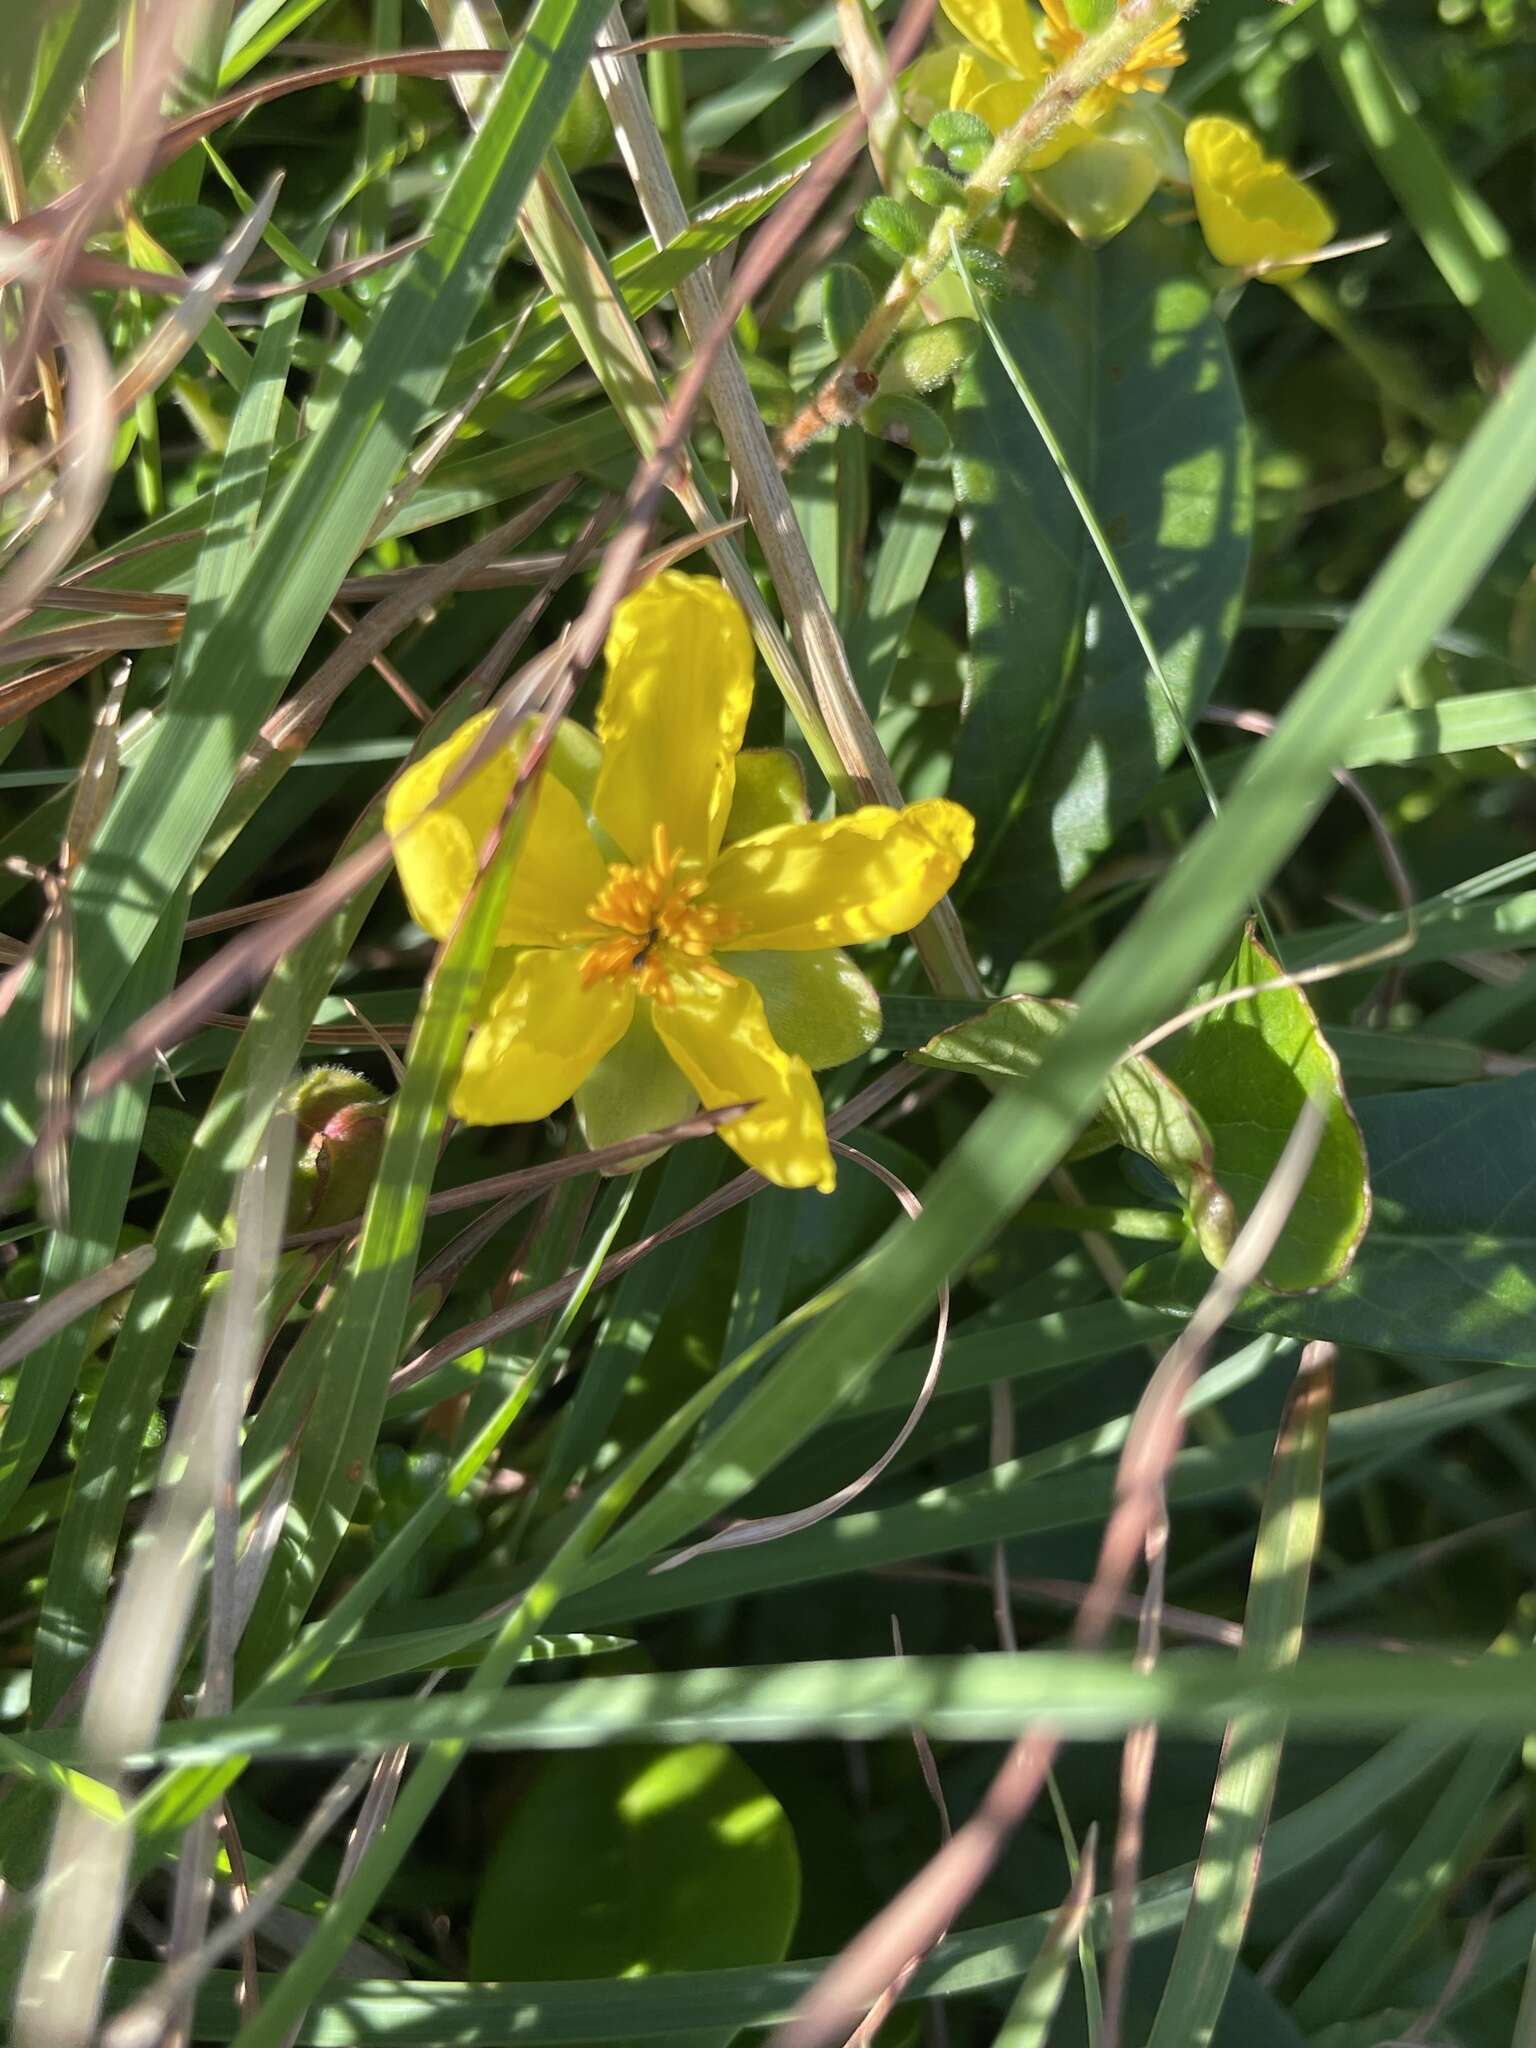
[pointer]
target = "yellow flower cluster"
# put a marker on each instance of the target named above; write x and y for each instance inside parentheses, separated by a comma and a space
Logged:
(674, 923)
(1102, 165)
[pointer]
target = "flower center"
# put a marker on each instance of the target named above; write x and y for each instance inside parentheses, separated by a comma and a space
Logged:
(658, 923)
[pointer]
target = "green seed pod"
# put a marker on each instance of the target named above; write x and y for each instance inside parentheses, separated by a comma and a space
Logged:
(897, 226)
(341, 1134)
(847, 300)
(909, 423)
(928, 358)
(934, 187)
(988, 271)
(952, 129)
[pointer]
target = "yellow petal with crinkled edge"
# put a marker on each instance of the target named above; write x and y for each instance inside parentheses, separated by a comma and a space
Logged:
(544, 1034)
(437, 844)
(1252, 209)
(674, 709)
(1003, 30)
(717, 1033)
(798, 888)
(990, 90)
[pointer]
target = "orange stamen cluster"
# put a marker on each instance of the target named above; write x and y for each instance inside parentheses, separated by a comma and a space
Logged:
(659, 925)
(1162, 51)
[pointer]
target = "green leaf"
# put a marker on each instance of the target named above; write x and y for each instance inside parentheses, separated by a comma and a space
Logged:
(422, 2013)
(1249, 1068)
(1142, 1109)
(633, 1861)
(1449, 1267)
(1065, 729)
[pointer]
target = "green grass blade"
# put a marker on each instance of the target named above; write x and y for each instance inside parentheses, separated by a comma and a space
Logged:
(1226, 1874)
(312, 532)
(1463, 237)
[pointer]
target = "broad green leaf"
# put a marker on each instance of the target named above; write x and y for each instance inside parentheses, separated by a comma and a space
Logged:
(631, 1861)
(1249, 1067)
(422, 2013)
(1065, 730)
(1142, 1108)
(1448, 1269)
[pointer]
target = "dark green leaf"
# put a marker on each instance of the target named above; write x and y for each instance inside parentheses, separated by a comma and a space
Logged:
(1065, 730)
(1449, 1267)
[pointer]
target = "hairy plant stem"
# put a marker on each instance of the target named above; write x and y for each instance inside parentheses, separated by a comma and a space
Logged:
(939, 939)
(845, 393)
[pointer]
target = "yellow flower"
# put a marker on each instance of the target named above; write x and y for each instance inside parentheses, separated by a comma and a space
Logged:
(1145, 70)
(1252, 209)
(1010, 59)
(652, 854)
(1002, 68)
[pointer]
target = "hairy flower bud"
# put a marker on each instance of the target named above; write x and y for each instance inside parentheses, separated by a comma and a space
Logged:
(341, 1133)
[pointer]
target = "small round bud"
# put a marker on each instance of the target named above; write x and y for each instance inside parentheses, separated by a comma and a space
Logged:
(935, 187)
(341, 1134)
(953, 129)
(897, 226)
(930, 357)
(988, 272)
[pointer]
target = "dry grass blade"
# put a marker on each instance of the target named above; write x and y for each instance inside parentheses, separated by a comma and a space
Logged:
(838, 703)
(68, 505)
(98, 776)
(142, 2024)
(98, 274)
(22, 695)
(70, 1303)
(931, 1900)
(57, 1027)
(532, 1308)
(1136, 1763)
(86, 442)
(115, 138)
(768, 1528)
(535, 1180)
(105, 636)
(1029, 2018)
(84, 1888)
(259, 1216)
(294, 724)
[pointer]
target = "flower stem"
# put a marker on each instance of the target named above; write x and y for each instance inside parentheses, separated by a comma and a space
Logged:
(848, 389)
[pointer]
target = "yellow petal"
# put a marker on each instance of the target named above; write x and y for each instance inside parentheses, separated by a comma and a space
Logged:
(1252, 209)
(798, 888)
(544, 1034)
(717, 1033)
(990, 90)
(437, 844)
(1003, 30)
(675, 703)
